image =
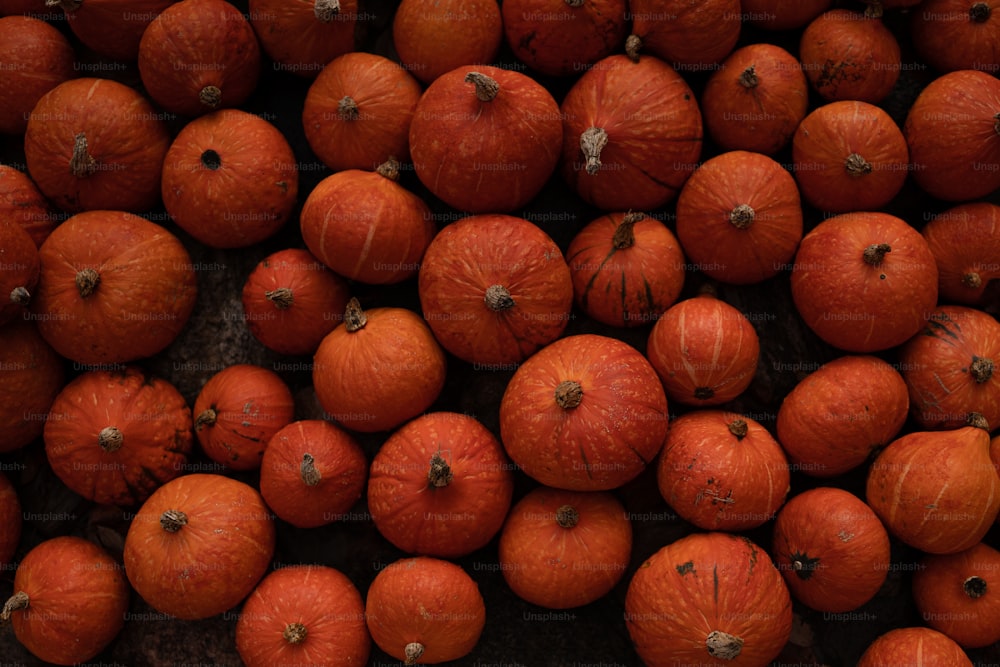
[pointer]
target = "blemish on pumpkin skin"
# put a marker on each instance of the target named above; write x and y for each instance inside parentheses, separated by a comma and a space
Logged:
(684, 568)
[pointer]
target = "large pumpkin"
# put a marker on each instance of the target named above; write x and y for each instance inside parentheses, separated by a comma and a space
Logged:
(914, 646)
(965, 241)
(692, 35)
(37, 57)
(302, 36)
(953, 35)
(33, 375)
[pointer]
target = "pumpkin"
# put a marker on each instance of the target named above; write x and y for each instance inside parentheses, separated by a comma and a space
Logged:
(953, 35)
(11, 521)
(432, 38)
(312, 473)
(562, 549)
(114, 287)
(627, 269)
(237, 412)
(303, 614)
(722, 471)
(631, 133)
(708, 599)
(378, 368)
(952, 368)
(424, 610)
(111, 28)
(739, 218)
(24, 7)
(704, 351)
(584, 413)
(876, 8)
(199, 545)
(21, 202)
(494, 289)
(849, 156)
(105, 152)
(138, 439)
(936, 490)
(440, 486)
(848, 55)
(965, 242)
(953, 132)
(841, 413)
(230, 179)
(782, 14)
(957, 594)
(366, 227)
(19, 270)
(484, 139)
(302, 36)
(831, 549)
(563, 37)
(357, 113)
(755, 99)
(914, 645)
(291, 301)
(685, 34)
(70, 599)
(37, 57)
(864, 281)
(33, 375)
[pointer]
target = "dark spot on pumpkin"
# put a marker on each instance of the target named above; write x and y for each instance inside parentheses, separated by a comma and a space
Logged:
(283, 185)
(687, 96)
(881, 276)
(684, 568)
(704, 393)
(211, 160)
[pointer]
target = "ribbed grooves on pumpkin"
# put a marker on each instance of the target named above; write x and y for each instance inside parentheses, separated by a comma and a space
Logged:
(354, 318)
(742, 216)
(977, 420)
(439, 474)
(498, 298)
(308, 472)
(723, 645)
(20, 295)
(979, 12)
(739, 428)
(567, 516)
(855, 165)
(974, 587)
(981, 369)
(803, 566)
(748, 77)
(569, 394)
(412, 652)
(592, 142)
(206, 418)
(15, 602)
(210, 96)
(624, 236)
(282, 298)
(87, 281)
(110, 439)
(173, 520)
(875, 253)
(211, 160)
(326, 10)
(486, 87)
(972, 279)
(389, 169)
(81, 164)
(633, 44)
(295, 633)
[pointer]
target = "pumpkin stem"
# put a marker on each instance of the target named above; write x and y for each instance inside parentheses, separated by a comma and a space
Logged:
(310, 475)
(874, 10)
(354, 317)
(16, 601)
(347, 108)
(857, 165)
(498, 298)
(633, 44)
(739, 428)
(326, 10)
(20, 295)
(704, 393)
(87, 281)
(486, 87)
(65, 5)
(723, 645)
(996, 123)
(389, 169)
(979, 12)
(803, 566)
(439, 473)
(624, 236)
(875, 253)
(295, 633)
(110, 439)
(173, 520)
(972, 279)
(82, 164)
(977, 420)
(210, 96)
(974, 587)
(206, 418)
(981, 369)
(282, 298)
(592, 142)
(742, 216)
(211, 160)
(748, 78)
(567, 516)
(412, 652)
(569, 394)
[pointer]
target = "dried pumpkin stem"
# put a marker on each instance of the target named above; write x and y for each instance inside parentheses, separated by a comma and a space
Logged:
(354, 317)
(307, 469)
(723, 645)
(748, 78)
(739, 428)
(173, 520)
(389, 169)
(412, 652)
(874, 10)
(210, 96)
(624, 235)
(567, 516)
(981, 369)
(974, 587)
(87, 281)
(977, 420)
(439, 474)
(110, 439)
(979, 12)
(875, 253)
(498, 298)
(82, 164)
(20, 295)
(347, 108)
(633, 44)
(486, 87)
(592, 142)
(972, 279)
(282, 298)
(295, 633)
(206, 418)
(326, 10)
(742, 216)
(15, 602)
(857, 165)
(569, 394)
(66, 5)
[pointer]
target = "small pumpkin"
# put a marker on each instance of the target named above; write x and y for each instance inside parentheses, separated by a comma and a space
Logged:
(965, 242)
(19, 271)
(199, 545)
(685, 34)
(494, 289)
(953, 35)
(708, 599)
(831, 549)
(302, 36)
(584, 413)
(69, 602)
(21, 202)
(11, 521)
(562, 549)
(424, 610)
(312, 472)
(440, 486)
(238, 410)
(111, 28)
(37, 57)
(33, 375)
(303, 614)
(782, 14)
(914, 645)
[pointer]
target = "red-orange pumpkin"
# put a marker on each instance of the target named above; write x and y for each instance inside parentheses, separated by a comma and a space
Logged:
(11, 521)
(688, 35)
(357, 113)
(440, 486)
(864, 281)
(965, 241)
(425, 610)
(114, 287)
(199, 545)
(953, 132)
(704, 351)
(70, 599)
(755, 99)
(561, 549)
(494, 289)
(23, 7)
(849, 156)
(21, 202)
(739, 218)
(33, 376)
(722, 471)
(959, 595)
(291, 301)
(237, 412)
(936, 490)
(230, 179)
(485, 139)
(19, 270)
(914, 646)
(631, 133)
(303, 615)
(782, 14)
(93, 144)
(585, 413)
(627, 269)
(302, 36)
(834, 419)
(954, 35)
(708, 599)
(831, 549)
(378, 368)
(367, 227)
(952, 368)
(37, 58)
(111, 28)
(312, 473)
(119, 454)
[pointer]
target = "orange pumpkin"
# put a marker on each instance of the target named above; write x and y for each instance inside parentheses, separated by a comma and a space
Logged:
(33, 375)
(965, 242)
(302, 36)
(37, 57)
(21, 202)
(685, 34)
(19, 271)
(782, 14)
(953, 35)
(111, 28)
(11, 521)
(914, 645)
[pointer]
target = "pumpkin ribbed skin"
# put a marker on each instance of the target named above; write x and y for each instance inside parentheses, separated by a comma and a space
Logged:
(914, 645)
(692, 34)
(953, 35)
(37, 57)
(23, 203)
(11, 520)
(965, 241)
(33, 375)
(302, 36)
